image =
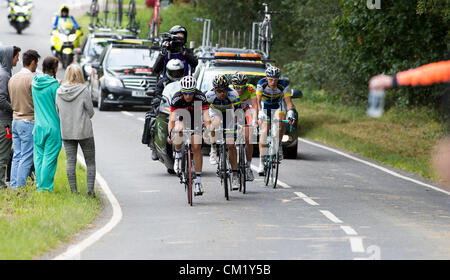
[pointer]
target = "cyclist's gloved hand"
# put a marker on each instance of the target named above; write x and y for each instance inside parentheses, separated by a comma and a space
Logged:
(291, 115)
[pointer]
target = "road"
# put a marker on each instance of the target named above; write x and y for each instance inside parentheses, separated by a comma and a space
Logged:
(329, 206)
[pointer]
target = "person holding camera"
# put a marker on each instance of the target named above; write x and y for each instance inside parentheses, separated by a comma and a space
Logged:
(173, 47)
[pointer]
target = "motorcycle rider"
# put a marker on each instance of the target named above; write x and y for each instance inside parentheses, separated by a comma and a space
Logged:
(64, 18)
(175, 71)
(175, 49)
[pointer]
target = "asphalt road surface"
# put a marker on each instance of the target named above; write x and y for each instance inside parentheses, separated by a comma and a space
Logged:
(327, 207)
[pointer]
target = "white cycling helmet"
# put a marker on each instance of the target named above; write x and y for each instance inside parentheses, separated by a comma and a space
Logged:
(175, 69)
(188, 83)
(273, 71)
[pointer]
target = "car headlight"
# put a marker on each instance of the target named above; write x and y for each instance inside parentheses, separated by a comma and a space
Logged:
(285, 138)
(113, 82)
(72, 37)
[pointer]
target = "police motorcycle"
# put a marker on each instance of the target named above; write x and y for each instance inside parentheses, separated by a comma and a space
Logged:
(64, 40)
(19, 14)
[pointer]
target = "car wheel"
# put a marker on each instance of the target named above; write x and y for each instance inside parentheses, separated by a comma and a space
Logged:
(101, 103)
(290, 152)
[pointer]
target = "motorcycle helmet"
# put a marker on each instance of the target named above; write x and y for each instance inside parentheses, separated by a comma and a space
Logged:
(64, 8)
(273, 71)
(188, 83)
(220, 81)
(239, 78)
(175, 69)
(179, 29)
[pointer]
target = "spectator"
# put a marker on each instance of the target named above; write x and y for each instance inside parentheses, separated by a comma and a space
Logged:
(9, 56)
(47, 134)
(73, 102)
(429, 74)
(23, 119)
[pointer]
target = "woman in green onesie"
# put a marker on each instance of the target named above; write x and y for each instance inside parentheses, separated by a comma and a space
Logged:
(47, 134)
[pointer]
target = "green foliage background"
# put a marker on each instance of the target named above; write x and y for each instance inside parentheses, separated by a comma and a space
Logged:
(337, 45)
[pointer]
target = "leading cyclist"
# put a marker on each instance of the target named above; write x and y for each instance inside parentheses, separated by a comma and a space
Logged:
(222, 98)
(247, 96)
(185, 99)
(273, 98)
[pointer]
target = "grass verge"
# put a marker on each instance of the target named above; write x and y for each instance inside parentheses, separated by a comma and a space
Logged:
(402, 138)
(32, 222)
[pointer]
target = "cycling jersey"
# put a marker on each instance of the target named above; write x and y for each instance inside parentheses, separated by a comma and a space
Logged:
(247, 96)
(231, 101)
(178, 102)
(272, 98)
(433, 73)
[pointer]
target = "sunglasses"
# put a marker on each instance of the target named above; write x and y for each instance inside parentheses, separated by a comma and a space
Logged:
(240, 87)
(272, 79)
(188, 92)
(221, 90)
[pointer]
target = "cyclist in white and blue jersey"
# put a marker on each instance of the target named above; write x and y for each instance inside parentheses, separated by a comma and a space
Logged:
(274, 100)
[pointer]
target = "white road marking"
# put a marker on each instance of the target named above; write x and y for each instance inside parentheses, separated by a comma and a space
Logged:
(150, 191)
(349, 230)
(141, 119)
(74, 252)
(127, 113)
(306, 199)
(357, 245)
(331, 216)
(375, 166)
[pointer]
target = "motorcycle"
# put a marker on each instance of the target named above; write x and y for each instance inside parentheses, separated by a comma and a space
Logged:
(63, 42)
(20, 14)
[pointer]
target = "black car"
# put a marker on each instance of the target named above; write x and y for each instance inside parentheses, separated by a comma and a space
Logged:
(93, 46)
(123, 76)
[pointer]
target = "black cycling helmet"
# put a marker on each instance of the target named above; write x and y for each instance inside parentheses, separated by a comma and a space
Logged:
(239, 78)
(220, 81)
(179, 29)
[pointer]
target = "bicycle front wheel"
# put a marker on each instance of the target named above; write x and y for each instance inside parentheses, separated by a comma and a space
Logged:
(224, 169)
(242, 169)
(274, 171)
(189, 178)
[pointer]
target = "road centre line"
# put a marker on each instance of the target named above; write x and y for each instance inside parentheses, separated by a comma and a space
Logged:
(141, 119)
(356, 244)
(306, 199)
(349, 230)
(74, 252)
(282, 184)
(331, 216)
(375, 166)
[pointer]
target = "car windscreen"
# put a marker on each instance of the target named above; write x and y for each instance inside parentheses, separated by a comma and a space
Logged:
(95, 49)
(206, 82)
(122, 57)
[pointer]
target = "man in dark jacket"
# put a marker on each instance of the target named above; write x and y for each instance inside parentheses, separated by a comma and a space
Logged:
(9, 56)
(175, 49)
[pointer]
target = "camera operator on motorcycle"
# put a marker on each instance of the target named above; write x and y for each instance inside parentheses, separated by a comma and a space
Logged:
(173, 47)
(175, 71)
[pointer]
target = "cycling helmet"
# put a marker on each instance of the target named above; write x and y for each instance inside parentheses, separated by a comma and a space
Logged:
(175, 69)
(188, 83)
(179, 29)
(273, 71)
(239, 78)
(220, 81)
